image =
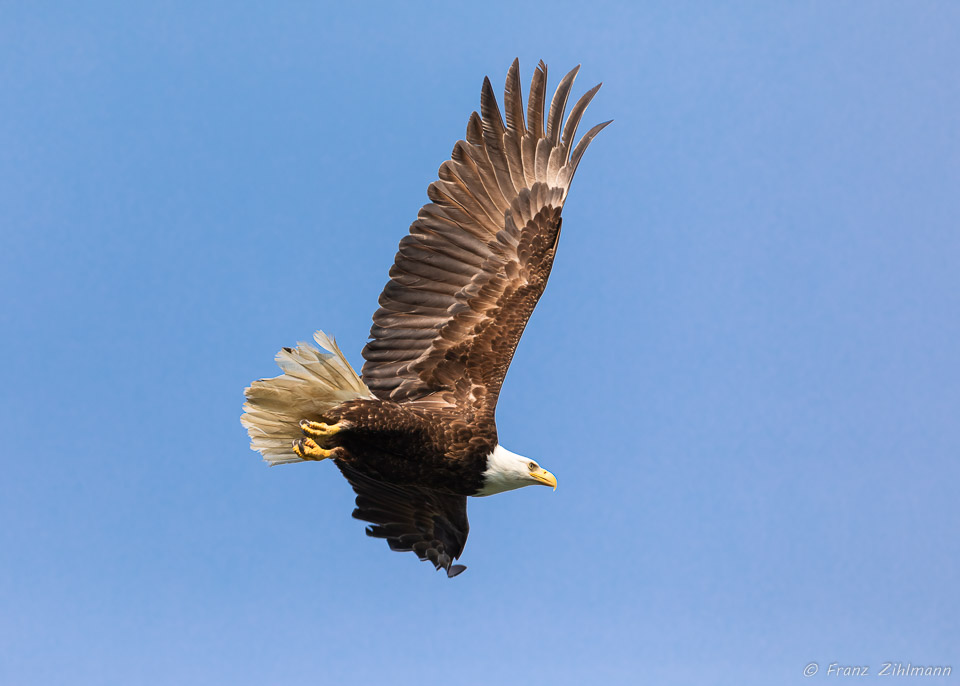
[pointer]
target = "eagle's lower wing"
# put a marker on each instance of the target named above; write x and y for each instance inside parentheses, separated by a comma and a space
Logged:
(468, 276)
(432, 525)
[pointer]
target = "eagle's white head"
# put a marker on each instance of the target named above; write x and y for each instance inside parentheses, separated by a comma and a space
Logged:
(507, 471)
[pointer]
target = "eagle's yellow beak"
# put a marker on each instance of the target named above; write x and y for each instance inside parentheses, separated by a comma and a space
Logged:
(544, 477)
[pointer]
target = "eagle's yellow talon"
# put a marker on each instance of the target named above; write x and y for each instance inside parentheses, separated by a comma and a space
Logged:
(319, 430)
(307, 449)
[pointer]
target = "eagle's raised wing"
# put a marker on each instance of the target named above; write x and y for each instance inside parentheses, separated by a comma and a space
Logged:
(433, 525)
(477, 259)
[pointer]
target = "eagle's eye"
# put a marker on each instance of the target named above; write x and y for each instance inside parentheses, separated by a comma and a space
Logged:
(532, 466)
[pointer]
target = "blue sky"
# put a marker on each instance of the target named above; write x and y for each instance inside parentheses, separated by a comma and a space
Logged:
(744, 372)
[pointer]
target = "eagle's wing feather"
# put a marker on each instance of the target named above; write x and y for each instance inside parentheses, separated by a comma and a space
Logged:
(469, 274)
(432, 525)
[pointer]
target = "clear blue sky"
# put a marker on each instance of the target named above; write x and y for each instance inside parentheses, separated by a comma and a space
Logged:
(745, 371)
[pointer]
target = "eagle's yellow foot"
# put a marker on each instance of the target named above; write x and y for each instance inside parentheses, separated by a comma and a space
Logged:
(319, 431)
(307, 449)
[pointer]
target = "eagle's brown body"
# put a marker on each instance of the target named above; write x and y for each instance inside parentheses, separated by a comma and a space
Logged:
(412, 447)
(417, 434)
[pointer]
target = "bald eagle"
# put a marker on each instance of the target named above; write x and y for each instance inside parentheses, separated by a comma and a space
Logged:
(415, 433)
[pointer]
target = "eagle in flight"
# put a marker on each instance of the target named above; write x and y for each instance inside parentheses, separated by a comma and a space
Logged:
(415, 433)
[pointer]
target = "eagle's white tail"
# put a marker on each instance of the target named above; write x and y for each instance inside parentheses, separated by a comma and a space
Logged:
(312, 383)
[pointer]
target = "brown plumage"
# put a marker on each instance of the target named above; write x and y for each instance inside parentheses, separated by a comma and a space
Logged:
(418, 433)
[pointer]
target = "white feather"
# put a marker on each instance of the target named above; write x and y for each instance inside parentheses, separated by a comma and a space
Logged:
(312, 383)
(505, 472)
